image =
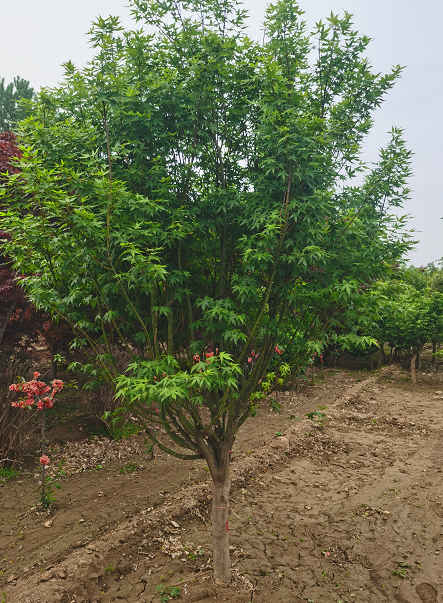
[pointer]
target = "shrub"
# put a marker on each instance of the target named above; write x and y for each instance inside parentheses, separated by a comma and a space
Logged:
(16, 428)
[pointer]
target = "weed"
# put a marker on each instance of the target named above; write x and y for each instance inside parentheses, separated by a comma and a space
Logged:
(109, 568)
(400, 573)
(278, 434)
(129, 429)
(274, 405)
(149, 449)
(317, 416)
(131, 467)
(290, 417)
(323, 407)
(167, 592)
(7, 473)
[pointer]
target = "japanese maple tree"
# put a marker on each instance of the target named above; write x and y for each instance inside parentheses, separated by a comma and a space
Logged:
(194, 201)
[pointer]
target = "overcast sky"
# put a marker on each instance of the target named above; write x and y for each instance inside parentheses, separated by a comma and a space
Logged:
(37, 37)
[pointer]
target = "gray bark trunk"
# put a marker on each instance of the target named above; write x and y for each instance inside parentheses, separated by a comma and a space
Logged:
(419, 361)
(434, 349)
(413, 369)
(380, 355)
(220, 527)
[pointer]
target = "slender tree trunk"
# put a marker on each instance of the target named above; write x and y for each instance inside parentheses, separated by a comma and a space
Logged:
(391, 354)
(380, 355)
(43, 451)
(220, 524)
(53, 362)
(419, 360)
(5, 321)
(413, 369)
(434, 349)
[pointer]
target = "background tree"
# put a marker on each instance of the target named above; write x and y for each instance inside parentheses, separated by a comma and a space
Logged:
(190, 196)
(11, 111)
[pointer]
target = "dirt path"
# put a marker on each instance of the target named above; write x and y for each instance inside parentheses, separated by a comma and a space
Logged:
(348, 511)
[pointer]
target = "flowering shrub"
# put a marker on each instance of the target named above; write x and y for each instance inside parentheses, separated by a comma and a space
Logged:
(37, 394)
(34, 390)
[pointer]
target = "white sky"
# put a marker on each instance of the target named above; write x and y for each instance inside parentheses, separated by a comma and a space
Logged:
(38, 37)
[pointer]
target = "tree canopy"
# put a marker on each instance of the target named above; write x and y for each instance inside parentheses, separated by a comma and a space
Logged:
(10, 96)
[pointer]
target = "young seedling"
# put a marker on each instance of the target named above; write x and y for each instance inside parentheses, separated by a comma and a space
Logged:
(167, 592)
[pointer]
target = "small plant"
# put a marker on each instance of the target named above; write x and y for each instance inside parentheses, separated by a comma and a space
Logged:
(290, 417)
(167, 592)
(39, 394)
(7, 473)
(316, 416)
(274, 405)
(193, 556)
(128, 468)
(399, 572)
(278, 434)
(109, 568)
(149, 449)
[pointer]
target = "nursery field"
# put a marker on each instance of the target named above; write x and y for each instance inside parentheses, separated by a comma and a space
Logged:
(347, 506)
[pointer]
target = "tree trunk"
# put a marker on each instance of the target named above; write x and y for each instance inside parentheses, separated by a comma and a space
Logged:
(380, 355)
(391, 355)
(434, 349)
(5, 321)
(43, 454)
(220, 525)
(53, 362)
(419, 361)
(413, 369)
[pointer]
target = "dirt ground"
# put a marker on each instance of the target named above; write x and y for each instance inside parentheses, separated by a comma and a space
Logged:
(348, 507)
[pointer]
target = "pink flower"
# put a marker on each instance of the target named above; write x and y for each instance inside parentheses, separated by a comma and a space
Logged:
(48, 402)
(249, 360)
(44, 460)
(36, 375)
(277, 350)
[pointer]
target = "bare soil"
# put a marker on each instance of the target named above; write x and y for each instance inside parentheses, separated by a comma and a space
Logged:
(345, 508)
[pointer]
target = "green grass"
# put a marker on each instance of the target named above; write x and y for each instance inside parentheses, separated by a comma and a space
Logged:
(7, 473)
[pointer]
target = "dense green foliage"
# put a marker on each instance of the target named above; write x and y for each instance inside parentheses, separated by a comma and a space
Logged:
(11, 111)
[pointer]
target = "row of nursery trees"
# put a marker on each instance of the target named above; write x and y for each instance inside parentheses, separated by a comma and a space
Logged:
(197, 200)
(404, 313)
